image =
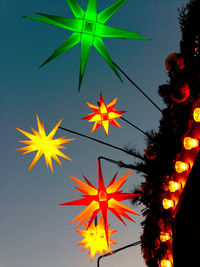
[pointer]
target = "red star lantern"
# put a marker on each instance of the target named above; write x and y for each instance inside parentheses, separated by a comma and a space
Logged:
(102, 200)
(104, 115)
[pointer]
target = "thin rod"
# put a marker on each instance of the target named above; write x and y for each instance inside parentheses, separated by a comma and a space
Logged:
(99, 141)
(134, 126)
(123, 165)
(117, 250)
(141, 91)
(122, 118)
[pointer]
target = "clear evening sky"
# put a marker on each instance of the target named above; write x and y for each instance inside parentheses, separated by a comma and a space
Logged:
(35, 231)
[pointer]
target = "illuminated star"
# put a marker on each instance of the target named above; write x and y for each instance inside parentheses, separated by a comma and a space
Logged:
(95, 239)
(103, 115)
(88, 29)
(44, 145)
(102, 200)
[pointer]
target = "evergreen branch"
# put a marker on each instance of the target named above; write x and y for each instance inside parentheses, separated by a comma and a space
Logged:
(133, 151)
(123, 165)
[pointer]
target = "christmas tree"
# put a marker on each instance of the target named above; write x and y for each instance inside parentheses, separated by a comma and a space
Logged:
(167, 185)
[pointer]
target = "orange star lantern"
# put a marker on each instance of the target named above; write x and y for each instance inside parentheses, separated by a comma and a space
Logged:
(102, 200)
(104, 115)
(44, 145)
(95, 239)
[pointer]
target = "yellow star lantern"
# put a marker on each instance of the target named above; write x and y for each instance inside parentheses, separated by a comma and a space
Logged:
(104, 115)
(95, 239)
(102, 200)
(44, 144)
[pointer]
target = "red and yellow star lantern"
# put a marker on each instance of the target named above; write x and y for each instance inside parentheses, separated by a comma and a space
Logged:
(102, 199)
(44, 144)
(95, 239)
(104, 115)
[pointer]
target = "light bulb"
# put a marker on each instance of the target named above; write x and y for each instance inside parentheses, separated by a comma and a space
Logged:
(181, 166)
(167, 203)
(190, 143)
(164, 237)
(174, 186)
(165, 263)
(196, 114)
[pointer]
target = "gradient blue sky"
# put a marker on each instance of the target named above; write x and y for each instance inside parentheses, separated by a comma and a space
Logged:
(35, 231)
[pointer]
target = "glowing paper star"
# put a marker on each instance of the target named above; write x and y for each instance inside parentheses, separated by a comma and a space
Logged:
(44, 144)
(89, 29)
(103, 115)
(102, 199)
(95, 239)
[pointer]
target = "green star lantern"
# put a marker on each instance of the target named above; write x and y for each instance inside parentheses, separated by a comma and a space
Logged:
(88, 29)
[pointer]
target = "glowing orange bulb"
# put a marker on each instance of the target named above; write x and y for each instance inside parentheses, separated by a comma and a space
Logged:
(190, 143)
(196, 114)
(173, 186)
(167, 203)
(165, 263)
(164, 237)
(182, 166)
